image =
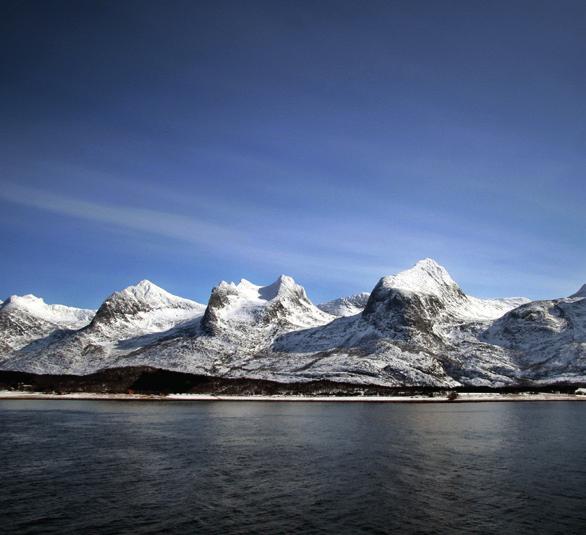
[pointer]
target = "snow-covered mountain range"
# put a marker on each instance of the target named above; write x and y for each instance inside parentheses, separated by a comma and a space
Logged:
(416, 328)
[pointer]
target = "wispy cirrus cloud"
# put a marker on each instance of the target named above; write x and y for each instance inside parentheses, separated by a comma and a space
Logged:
(315, 247)
(187, 229)
(190, 230)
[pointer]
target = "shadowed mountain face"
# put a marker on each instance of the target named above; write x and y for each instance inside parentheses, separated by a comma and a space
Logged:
(416, 328)
(403, 313)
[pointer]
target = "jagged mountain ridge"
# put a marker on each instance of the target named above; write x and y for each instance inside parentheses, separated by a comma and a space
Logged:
(415, 328)
(240, 323)
(283, 302)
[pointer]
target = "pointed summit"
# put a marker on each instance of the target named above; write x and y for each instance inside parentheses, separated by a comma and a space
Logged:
(141, 298)
(147, 285)
(428, 263)
(144, 289)
(148, 293)
(282, 285)
(426, 276)
(428, 281)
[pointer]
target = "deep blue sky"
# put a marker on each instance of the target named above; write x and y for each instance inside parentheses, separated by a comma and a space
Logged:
(189, 142)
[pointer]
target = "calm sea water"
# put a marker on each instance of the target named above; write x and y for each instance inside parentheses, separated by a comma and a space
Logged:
(250, 467)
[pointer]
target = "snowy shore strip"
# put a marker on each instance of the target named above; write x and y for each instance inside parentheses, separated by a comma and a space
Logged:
(462, 397)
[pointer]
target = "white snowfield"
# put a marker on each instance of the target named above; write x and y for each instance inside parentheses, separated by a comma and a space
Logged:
(416, 328)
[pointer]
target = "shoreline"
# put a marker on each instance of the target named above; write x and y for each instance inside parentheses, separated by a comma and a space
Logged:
(464, 397)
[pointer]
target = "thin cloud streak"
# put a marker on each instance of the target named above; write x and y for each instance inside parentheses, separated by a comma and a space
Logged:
(161, 223)
(343, 252)
(221, 239)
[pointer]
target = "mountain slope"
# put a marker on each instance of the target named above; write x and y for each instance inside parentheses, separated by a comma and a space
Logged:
(142, 308)
(126, 321)
(27, 318)
(239, 324)
(416, 328)
(410, 334)
(547, 338)
(283, 303)
(427, 277)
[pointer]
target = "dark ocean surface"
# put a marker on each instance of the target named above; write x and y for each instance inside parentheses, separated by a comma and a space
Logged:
(73, 467)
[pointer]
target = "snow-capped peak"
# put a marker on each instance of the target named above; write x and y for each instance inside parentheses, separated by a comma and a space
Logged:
(144, 289)
(426, 276)
(247, 291)
(281, 286)
(147, 285)
(143, 298)
(149, 295)
(246, 303)
(36, 307)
